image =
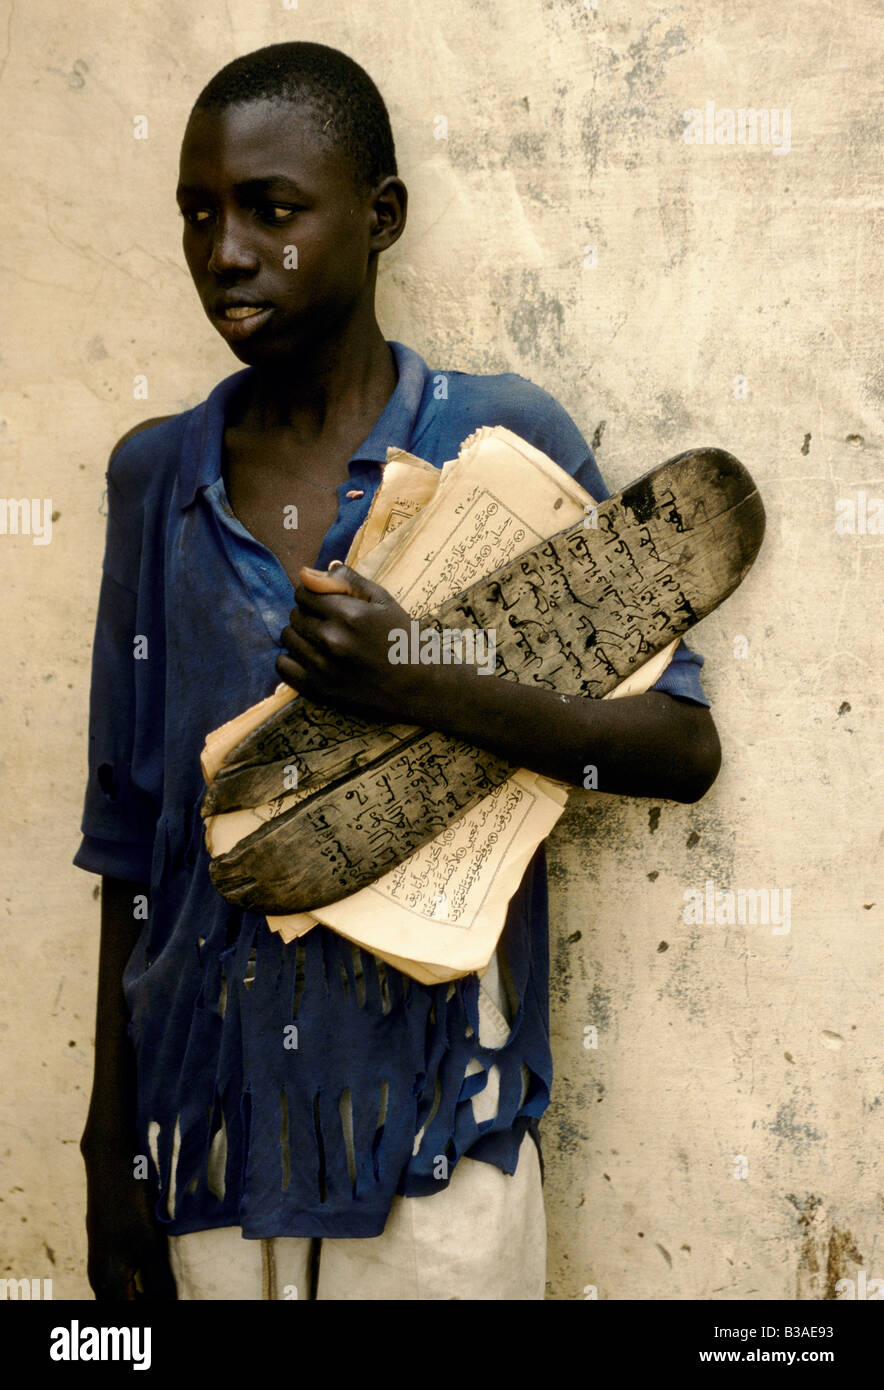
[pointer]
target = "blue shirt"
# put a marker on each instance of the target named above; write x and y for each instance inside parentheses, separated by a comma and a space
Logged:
(190, 615)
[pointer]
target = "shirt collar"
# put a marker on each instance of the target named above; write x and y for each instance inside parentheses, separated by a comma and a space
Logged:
(200, 464)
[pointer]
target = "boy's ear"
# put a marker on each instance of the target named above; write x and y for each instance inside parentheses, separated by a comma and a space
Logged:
(390, 207)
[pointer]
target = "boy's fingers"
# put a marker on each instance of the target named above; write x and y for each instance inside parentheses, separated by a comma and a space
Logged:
(328, 607)
(292, 673)
(304, 626)
(341, 580)
(156, 1279)
(320, 605)
(301, 648)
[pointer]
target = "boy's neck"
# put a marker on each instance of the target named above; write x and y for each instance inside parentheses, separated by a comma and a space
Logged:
(347, 377)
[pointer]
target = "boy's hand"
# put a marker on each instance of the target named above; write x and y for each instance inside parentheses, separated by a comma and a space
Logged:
(128, 1253)
(338, 643)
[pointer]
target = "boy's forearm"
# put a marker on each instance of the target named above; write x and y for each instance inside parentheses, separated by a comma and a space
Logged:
(641, 745)
(111, 1117)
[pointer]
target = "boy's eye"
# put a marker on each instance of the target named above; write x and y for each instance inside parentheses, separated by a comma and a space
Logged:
(195, 216)
(275, 213)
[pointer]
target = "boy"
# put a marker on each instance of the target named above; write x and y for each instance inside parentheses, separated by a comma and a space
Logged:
(367, 1163)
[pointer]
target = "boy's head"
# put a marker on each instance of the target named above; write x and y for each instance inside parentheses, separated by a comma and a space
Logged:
(289, 189)
(345, 104)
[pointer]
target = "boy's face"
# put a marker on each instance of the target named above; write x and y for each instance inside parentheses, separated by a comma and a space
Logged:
(276, 237)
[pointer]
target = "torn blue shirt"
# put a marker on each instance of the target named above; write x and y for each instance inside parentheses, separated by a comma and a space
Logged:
(190, 615)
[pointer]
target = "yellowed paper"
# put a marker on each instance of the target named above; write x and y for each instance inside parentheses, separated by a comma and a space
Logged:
(501, 498)
(407, 484)
(446, 904)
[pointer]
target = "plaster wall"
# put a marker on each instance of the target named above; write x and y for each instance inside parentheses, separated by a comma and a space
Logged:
(723, 1140)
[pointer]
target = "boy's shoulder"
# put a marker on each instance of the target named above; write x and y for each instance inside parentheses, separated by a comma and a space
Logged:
(511, 400)
(139, 429)
(147, 455)
(507, 393)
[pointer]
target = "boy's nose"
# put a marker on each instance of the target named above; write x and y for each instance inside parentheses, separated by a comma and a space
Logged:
(230, 250)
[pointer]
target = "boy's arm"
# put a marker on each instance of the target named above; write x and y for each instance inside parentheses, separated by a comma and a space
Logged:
(642, 745)
(338, 642)
(118, 816)
(112, 1107)
(124, 1239)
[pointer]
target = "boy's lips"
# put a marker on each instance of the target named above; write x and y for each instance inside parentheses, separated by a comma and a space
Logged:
(238, 320)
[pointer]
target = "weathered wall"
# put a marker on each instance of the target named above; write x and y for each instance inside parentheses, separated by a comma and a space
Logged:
(733, 297)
